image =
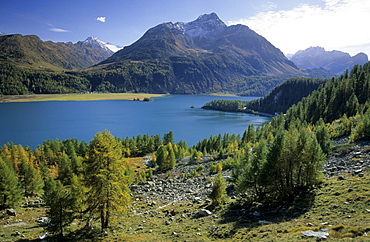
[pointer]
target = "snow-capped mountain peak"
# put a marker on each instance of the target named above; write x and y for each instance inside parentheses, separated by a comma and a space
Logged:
(204, 25)
(94, 41)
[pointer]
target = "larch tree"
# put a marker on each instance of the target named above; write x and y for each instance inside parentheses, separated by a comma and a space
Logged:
(10, 192)
(106, 178)
(218, 194)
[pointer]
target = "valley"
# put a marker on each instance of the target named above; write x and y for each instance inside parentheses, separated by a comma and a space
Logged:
(301, 173)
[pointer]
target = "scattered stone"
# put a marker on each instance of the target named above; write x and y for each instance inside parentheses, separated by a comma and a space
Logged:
(203, 213)
(168, 222)
(43, 220)
(264, 222)
(323, 234)
(310, 224)
(174, 233)
(41, 237)
(256, 213)
(11, 212)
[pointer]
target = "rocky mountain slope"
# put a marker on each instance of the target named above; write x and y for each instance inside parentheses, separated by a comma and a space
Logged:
(201, 56)
(334, 61)
(31, 52)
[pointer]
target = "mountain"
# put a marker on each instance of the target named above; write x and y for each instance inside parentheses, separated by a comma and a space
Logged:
(201, 56)
(96, 43)
(334, 61)
(31, 52)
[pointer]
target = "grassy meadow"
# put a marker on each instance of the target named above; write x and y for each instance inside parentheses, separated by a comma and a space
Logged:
(77, 97)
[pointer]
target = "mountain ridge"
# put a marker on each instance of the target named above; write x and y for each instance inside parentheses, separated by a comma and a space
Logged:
(31, 52)
(334, 61)
(201, 56)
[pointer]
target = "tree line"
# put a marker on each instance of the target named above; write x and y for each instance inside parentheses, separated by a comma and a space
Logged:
(20, 81)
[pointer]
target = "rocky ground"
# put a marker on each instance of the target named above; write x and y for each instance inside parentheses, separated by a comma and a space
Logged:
(346, 159)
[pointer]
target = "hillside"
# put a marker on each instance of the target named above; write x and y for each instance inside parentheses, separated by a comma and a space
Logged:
(279, 100)
(334, 61)
(202, 56)
(285, 95)
(31, 52)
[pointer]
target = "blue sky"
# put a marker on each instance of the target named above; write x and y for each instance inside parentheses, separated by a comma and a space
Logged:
(288, 25)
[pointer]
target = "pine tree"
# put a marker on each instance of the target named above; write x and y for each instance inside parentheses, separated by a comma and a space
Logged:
(31, 179)
(106, 178)
(60, 205)
(10, 192)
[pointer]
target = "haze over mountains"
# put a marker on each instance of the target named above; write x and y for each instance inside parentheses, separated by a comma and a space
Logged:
(334, 61)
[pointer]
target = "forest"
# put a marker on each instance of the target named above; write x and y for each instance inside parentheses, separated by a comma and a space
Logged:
(272, 163)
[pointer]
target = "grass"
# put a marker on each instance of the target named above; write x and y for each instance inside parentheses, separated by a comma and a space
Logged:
(77, 97)
(341, 206)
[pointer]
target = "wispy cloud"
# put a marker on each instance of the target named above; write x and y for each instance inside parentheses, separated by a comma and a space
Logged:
(101, 19)
(337, 24)
(59, 30)
(269, 6)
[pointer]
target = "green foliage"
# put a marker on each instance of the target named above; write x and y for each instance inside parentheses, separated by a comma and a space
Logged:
(342, 95)
(218, 194)
(225, 105)
(105, 176)
(165, 157)
(17, 81)
(362, 130)
(31, 179)
(10, 192)
(60, 205)
(285, 95)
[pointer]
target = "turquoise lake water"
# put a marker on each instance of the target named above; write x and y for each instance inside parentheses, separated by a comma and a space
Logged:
(33, 122)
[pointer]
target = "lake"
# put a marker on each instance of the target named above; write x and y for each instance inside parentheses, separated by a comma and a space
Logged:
(31, 123)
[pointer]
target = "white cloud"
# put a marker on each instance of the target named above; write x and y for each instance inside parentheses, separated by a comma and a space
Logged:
(59, 30)
(339, 24)
(101, 19)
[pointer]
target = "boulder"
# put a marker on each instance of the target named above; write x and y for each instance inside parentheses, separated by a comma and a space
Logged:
(11, 212)
(323, 234)
(203, 213)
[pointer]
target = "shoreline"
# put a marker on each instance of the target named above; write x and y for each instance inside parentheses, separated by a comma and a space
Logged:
(77, 97)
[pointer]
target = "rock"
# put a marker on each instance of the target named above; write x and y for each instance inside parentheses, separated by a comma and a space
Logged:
(168, 222)
(256, 213)
(43, 220)
(152, 204)
(11, 212)
(203, 213)
(323, 234)
(197, 200)
(41, 237)
(264, 222)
